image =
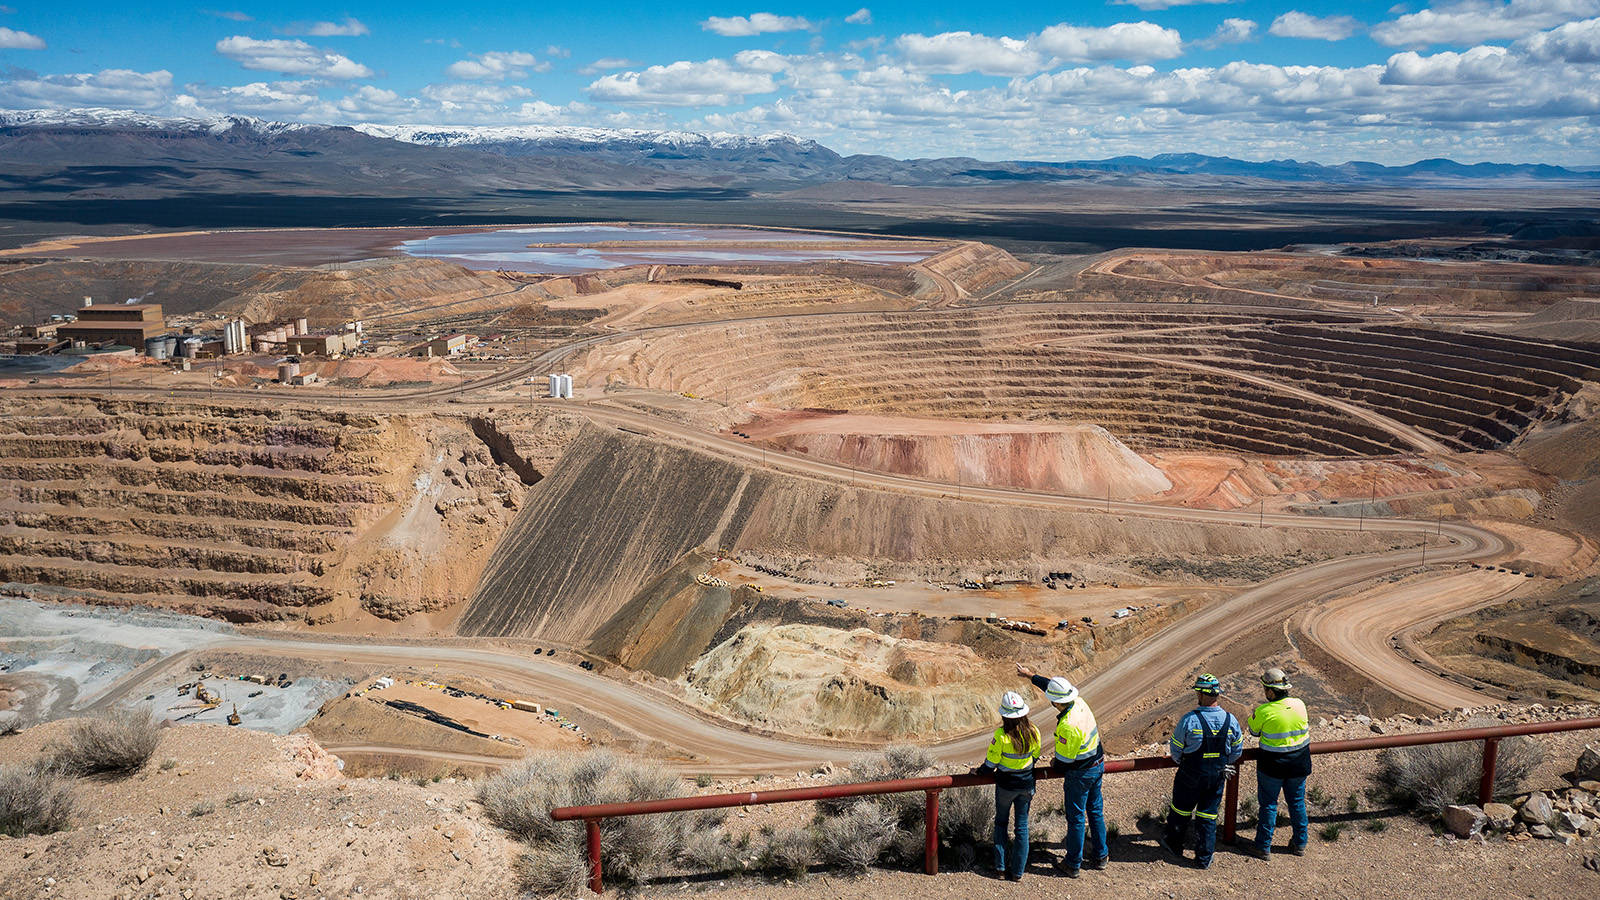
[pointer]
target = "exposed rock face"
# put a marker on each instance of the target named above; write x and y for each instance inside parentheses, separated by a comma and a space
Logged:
(1076, 459)
(857, 683)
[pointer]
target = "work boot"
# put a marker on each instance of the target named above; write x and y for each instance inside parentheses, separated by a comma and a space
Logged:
(1098, 864)
(1297, 849)
(1257, 852)
(1010, 877)
(1175, 847)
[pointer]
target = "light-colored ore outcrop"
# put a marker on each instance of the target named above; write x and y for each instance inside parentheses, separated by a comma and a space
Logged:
(817, 680)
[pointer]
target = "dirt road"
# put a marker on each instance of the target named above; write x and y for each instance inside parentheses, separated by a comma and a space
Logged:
(1359, 630)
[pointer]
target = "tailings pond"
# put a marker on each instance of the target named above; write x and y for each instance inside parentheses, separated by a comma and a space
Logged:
(567, 249)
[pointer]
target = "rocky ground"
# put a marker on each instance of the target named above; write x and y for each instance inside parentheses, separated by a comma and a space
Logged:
(225, 813)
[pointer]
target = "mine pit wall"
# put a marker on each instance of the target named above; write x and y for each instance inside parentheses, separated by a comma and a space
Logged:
(256, 514)
(620, 510)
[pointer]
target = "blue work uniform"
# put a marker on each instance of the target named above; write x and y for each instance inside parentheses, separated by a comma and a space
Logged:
(1207, 740)
(1081, 761)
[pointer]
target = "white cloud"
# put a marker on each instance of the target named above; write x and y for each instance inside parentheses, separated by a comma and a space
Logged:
(1231, 31)
(486, 96)
(1480, 64)
(116, 88)
(496, 65)
(963, 51)
(754, 24)
(760, 61)
(350, 27)
(290, 58)
(556, 51)
(1148, 5)
(1296, 24)
(709, 83)
(1472, 21)
(231, 15)
(607, 64)
(281, 100)
(1124, 40)
(19, 40)
(862, 16)
(1574, 42)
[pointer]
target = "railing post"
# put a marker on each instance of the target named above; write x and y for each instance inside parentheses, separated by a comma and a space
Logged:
(1491, 752)
(1230, 806)
(930, 834)
(592, 826)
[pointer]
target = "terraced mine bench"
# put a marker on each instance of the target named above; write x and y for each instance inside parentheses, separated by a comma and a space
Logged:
(931, 786)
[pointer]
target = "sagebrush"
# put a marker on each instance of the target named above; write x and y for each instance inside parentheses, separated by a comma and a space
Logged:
(633, 848)
(34, 799)
(1427, 779)
(118, 743)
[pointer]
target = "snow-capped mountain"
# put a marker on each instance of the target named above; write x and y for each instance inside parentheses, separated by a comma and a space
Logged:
(137, 121)
(480, 135)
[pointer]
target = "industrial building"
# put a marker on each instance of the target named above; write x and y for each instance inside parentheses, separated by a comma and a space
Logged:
(446, 345)
(128, 324)
(323, 344)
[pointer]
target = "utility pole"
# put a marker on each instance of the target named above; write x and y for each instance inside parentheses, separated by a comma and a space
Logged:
(1108, 496)
(1440, 530)
(1424, 549)
(1262, 521)
(1361, 519)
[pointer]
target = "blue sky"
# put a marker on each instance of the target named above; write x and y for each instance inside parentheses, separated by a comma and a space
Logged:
(1510, 80)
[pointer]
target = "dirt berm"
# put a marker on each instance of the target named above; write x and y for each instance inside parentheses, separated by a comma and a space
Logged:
(619, 510)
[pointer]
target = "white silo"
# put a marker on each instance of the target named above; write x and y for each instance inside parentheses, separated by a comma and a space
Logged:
(555, 387)
(566, 387)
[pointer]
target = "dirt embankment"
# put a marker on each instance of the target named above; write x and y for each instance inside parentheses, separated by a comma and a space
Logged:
(1078, 460)
(1546, 646)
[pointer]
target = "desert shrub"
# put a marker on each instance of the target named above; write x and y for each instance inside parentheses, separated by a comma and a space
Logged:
(552, 870)
(856, 840)
(899, 761)
(1427, 779)
(1376, 825)
(966, 815)
(633, 848)
(713, 851)
(790, 851)
(1331, 831)
(34, 800)
(203, 808)
(116, 744)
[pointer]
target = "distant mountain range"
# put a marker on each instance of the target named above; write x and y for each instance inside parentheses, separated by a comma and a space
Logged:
(127, 153)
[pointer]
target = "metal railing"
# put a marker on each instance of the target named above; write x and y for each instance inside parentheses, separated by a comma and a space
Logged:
(931, 786)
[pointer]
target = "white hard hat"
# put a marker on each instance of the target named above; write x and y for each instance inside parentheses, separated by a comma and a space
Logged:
(1060, 690)
(1012, 706)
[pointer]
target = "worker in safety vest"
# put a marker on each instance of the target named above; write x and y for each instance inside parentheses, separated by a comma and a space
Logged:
(1015, 747)
(1081, 762)
(1205, 745)
(1285, 732)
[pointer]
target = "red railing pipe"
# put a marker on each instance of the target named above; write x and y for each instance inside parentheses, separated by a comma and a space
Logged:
(932, 785)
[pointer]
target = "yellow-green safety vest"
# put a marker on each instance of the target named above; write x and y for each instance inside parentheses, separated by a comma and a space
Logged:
(1077, 735)
(1005, 755)
(1282, 725)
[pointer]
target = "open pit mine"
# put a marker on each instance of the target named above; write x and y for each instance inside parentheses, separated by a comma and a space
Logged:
(751, 502)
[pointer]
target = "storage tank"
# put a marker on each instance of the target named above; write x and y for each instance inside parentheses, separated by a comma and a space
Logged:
(169, 345)
(189, 347)
(286, 371)
(566, 387)
(155, 347)
(300, 326)
(555, 387)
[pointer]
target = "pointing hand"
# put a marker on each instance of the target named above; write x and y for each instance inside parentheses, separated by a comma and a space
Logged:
(1024, 671)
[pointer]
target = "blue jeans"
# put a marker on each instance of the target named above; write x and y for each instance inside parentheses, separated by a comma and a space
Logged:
(1004, 802)
(1084, 806)
(1294, 791)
